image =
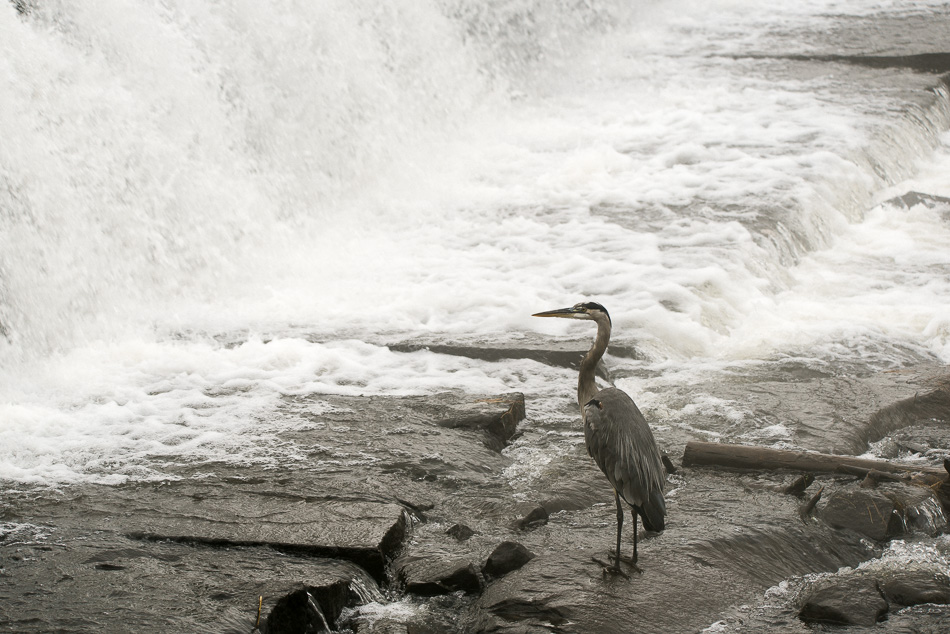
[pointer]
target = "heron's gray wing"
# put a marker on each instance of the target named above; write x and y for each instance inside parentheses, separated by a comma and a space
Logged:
(621, 443)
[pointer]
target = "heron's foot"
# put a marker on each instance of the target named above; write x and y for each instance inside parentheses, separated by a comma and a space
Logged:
(630, 561)
(611, 569)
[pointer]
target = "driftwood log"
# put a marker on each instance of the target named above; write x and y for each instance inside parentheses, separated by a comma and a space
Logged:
(700, 453)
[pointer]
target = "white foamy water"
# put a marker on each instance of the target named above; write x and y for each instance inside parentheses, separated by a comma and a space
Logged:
(204, 208)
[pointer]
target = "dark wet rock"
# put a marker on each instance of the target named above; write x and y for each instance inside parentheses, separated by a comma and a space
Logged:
(668, 463)
(430, 576)
(507, 557)
(310, 609)
(807, 508)
(853, 600)
(363, 531)
(497, 417)
(868, 512)
(913, 587)
(799, 484)
(912, 199)
(864, 597)
(538, 516)
(871, 480)
(885, 512)
(460, 532)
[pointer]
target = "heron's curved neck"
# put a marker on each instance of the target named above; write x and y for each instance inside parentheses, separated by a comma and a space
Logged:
(586, 386)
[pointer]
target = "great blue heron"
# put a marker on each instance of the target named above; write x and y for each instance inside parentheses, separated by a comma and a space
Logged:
(618, 437)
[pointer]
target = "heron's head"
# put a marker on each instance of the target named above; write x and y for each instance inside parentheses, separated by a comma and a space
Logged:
(585, 310)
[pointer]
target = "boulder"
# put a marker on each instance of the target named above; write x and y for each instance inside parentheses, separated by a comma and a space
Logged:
(460, 532)
(887, 511)
(506, 557)
(854, 600)
(914, 587)
(536, 517)
(865, 511)
(310, 609)
(431, 576)
(863, 597)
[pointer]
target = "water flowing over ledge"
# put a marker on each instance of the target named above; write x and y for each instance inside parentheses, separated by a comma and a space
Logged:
(236, 240)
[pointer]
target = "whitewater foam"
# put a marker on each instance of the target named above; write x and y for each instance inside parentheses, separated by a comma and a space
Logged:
(205, 208)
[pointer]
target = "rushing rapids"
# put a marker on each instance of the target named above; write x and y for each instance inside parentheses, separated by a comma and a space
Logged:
(224, 224)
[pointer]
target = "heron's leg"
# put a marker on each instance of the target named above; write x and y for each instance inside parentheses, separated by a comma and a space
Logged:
(615, 568)
(633, 512)
(619, 526)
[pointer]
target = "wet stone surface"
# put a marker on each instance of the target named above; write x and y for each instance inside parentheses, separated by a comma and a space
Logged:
(406, 511)
(865, 597)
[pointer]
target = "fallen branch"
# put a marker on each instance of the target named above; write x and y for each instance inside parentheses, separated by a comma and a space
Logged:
(699, 454)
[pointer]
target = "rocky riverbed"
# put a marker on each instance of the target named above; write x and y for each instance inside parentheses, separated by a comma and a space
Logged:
(430, 522)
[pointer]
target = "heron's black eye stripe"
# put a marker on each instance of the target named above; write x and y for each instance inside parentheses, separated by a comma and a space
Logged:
(595, 306)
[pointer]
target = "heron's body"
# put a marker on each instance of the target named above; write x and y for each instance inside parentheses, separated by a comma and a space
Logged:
(618, 437)
(624, 449)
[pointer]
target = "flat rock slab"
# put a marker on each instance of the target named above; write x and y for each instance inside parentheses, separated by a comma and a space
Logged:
(59, 580)
(541, 348)
(365, 532)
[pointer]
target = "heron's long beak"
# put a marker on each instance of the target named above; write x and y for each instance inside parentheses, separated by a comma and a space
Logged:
(570, 313)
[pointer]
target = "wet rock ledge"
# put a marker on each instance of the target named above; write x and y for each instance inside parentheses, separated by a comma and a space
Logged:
(408, 502)
(312, 541)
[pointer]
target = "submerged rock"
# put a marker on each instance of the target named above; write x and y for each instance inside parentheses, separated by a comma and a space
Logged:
(460, 532)
(536, 517)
